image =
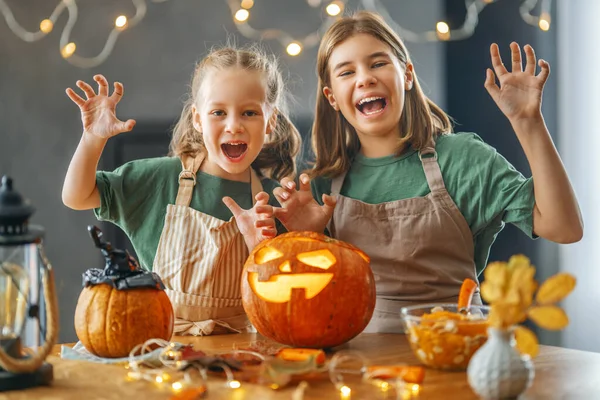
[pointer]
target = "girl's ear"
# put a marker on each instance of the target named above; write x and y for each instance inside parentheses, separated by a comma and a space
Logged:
(409, 76)
(196, 119)
(328, 93)
(272, 121)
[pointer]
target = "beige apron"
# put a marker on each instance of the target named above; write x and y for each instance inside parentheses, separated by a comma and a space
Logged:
(200, 260)
(421, 248)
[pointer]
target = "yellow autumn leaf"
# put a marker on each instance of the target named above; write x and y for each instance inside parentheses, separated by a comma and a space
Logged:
(490, 292)
(504, 315)
(496, 274)
(522, 284)
(548, 317)
(527, 342)
(518, 261)
(555, 289)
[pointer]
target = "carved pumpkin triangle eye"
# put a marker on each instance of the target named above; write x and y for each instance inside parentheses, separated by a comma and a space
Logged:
(323, 259)
(267, 254)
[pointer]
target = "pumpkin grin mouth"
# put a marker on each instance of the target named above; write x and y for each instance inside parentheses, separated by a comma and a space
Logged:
(278, 289)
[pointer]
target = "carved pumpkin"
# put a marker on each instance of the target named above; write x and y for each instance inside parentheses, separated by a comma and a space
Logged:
(121, 306)
(305, 289)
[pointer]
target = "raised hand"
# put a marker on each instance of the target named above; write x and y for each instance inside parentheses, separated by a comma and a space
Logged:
(98, 111)
(255, 224)
(519, 95)
(300, 211)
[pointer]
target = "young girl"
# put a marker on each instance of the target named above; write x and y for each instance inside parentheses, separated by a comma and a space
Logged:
(177, 211)
(425, 204)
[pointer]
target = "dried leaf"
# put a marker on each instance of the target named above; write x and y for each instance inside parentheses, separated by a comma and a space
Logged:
(527, 342)
(522, 284)
(548, 317)
(518, 261)
(504, 315)
(496, 274)
(490, 292)
(555, 289)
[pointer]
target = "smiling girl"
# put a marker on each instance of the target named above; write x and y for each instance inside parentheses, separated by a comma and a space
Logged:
(192, 217)
(423, 203)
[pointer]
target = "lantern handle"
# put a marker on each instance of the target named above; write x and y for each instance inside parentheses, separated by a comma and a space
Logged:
(35, 360)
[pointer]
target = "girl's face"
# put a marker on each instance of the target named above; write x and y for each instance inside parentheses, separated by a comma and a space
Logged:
(234, 118)
(367, 85)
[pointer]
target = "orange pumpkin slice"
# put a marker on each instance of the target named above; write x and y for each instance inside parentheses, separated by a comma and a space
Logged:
(408, 373)
(298, 354)
(467, 290)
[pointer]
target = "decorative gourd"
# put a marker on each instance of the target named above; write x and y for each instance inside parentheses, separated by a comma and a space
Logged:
(305, 289)
(121, 306)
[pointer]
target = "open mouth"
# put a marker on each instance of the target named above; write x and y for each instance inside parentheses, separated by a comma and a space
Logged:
(234, 150)
(371, 105)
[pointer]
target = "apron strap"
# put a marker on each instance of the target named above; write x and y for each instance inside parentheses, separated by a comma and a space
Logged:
(432, 169)
(255, 185)
(336, 184)
(187, 180)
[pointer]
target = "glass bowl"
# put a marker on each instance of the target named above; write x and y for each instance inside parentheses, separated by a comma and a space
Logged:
(443, 338)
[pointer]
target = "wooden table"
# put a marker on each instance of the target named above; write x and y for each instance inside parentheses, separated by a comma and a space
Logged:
(560, 374)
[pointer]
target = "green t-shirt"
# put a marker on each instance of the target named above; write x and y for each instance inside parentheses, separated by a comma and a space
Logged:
(135, 198)
(487, 189)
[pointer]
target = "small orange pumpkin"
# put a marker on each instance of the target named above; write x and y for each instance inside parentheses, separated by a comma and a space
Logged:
(110, 322)
(305, 289)
(121, 306)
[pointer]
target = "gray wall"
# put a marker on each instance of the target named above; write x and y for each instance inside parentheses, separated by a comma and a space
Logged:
(40, 127)
(579, 135)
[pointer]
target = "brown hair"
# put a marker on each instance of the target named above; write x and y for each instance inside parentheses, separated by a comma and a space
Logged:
(334, 140)
(277, 157)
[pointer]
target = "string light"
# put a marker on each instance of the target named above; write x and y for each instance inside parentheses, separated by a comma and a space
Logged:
(443, 30)
(46, 26)
(294, 48)
(68, 50)
(247, 4)
(345, 392)
(242, 15)
(239, 11)
(121, 21)
(334, 8)
(544, 22)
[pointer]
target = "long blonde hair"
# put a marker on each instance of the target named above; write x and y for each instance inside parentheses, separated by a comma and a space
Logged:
(277, 157)
(334, 140)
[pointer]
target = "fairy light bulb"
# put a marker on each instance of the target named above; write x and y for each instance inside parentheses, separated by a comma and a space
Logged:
(334, 8)
(234, 384)
(121, 22)
(159, 379)
(415, 389)
(68, 50)
(242, 15)
(46, 26)
(442, 30)
(247, 4)
(294, 48)
(177, 386)
(544, 22)
(442, 27)
(345, 393)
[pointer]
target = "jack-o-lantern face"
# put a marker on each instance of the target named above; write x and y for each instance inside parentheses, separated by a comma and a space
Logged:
(278, 287)
(308, 279)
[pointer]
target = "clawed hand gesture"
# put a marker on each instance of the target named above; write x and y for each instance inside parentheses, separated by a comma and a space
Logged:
(255, 224)
(519, 95)
(299, 211)
(98, 110)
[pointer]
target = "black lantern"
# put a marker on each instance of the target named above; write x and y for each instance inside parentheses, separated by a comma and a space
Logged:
(22, 264)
